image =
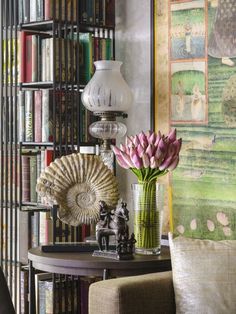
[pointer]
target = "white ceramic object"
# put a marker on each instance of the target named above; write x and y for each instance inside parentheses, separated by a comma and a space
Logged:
(107, 90)
(77, 183)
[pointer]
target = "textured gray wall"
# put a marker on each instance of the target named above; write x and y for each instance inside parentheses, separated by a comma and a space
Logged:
(133, 49)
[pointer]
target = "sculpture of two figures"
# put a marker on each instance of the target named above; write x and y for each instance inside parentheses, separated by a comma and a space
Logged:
(114, 222)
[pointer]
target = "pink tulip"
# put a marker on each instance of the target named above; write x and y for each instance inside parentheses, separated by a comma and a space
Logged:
(172, 135)
(137, 161)
(178, 144)
(146, 161)
(122, 162)
(153, 163)
(165, 164)
(127, 159)
(128, 141)
(174, 163)
(116, 150)
(123, 147)
(162, 145)
(136, 141)
(157, 138)
(143, 139)
(152, 138)
(140, 150)
(149, 151)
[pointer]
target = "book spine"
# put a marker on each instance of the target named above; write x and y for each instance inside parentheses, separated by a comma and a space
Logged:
(39, 59)
(97, 12)
(110, 13)
(47, 59)
(29, 116)
(26, 10)
(90, 11)
(34, 58)
(33, 8)
(83, 11)
(38, 173)
(22, 57)
(42, 297)
(45, 115)
(20, 12)
(24, 291)
(21, 132)
(25, 178)
(47, 10)
(28, 73)
(39, 10)
(48, 156)
(101, 12)
(50, 59)
(38, 116)
(33, 178)
(43, 59)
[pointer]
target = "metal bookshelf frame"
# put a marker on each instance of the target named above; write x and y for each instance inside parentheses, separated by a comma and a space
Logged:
(11, 149)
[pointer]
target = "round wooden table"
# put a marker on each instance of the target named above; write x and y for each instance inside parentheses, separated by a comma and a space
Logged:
(84, 264)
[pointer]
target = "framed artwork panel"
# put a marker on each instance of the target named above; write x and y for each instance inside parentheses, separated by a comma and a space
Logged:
(195, 92)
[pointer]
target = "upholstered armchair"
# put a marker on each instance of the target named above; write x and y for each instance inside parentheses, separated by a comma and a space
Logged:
(145, 294)
(6, 306)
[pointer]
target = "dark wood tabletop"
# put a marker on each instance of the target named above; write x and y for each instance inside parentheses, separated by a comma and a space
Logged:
(84, 264)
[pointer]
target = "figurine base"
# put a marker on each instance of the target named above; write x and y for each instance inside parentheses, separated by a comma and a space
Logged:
(113, 255)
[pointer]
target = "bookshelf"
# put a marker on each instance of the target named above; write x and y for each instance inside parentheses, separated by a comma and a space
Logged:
(47, 49)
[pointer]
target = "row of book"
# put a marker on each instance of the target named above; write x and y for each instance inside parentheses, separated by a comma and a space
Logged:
(39, 56)
(70, 293)
(93, 12)
(37, 122)
(33, 163)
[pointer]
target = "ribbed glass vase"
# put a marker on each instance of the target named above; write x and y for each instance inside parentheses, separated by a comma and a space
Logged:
(148, 203)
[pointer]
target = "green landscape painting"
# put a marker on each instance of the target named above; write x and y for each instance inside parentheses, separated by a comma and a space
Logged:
(204, 183)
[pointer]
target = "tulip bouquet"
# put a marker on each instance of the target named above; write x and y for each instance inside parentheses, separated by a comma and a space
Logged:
(148, 156)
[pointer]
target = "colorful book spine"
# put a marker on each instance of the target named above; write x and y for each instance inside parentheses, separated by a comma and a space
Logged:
(39, 10)
(29, 116)
(28, 60)
(45, 115)
(34, 58)
(38, 116)
(26, 11)
(33, 178)
(33, 8)
(22, 57)
(21, 104)
(26, 178)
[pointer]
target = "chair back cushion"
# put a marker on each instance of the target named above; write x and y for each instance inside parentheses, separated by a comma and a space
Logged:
(204, 275)
(6, 306)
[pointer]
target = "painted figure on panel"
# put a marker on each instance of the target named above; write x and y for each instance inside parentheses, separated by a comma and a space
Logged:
(222, 40)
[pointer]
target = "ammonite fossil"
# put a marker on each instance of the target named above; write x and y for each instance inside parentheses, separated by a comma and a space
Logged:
(77, 183)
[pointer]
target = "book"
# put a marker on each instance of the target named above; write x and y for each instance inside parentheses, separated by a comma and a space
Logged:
(26, 11)
(59, 12)
(33, 10)
(28, 58)
(29, 116)
(34, 75)
(21, 120)
(33, 178)
(86, 62)
(47, 120)
(24, 284)
(39, 10)
(22, 57)
(38, 116)
(110, 13)
(25, 178)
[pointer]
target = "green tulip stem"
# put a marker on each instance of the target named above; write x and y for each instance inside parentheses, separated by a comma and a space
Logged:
(146, 217)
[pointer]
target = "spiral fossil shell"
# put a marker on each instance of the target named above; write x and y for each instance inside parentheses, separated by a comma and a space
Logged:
(77, 183)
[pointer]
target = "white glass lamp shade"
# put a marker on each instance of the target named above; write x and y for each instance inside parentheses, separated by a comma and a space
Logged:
(107, 90)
